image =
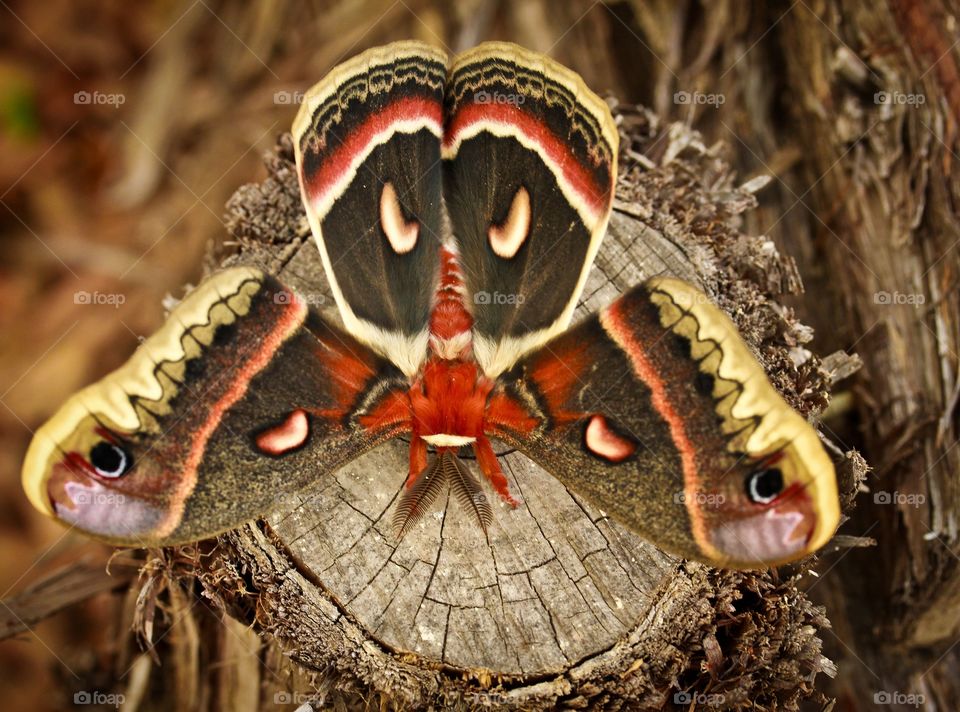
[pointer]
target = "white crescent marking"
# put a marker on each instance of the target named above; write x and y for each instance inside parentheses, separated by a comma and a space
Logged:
(401, 234)
(507, 239)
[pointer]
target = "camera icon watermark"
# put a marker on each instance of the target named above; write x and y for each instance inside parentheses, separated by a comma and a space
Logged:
(99, 98)
(903, 699)
(898, 98)
(486, 97)
(498, 298)
(286, 98)
(488, 698)
(286, 502)
(101, 498)
(699, 98)
(914, 299)
(313, 299)
(285, 697)
(114, 299)
(701, 699)
(901, 499)
(703, 499)
(95, 697)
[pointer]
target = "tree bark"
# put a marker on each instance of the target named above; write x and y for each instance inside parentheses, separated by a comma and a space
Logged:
(893, 234)
(853, 106)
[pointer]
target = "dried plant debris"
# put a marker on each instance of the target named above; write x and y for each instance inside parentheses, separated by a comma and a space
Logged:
(270, 212)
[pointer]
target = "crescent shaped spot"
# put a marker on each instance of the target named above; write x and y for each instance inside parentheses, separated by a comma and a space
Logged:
(507, 239)
(401, 233)
(289, 435)
(604, 442)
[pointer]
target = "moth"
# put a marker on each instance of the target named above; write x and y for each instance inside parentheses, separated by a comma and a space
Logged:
(458, 206)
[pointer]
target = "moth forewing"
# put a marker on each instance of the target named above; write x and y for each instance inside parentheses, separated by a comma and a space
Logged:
(530, 160)
(367, 146)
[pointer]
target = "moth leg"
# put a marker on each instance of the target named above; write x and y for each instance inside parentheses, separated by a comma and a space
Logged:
(418, 459)
(490, 466)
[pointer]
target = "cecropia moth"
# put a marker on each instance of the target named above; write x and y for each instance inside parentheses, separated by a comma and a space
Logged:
(458, 206)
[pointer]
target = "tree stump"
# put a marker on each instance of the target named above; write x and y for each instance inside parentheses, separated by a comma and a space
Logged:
(557, 604)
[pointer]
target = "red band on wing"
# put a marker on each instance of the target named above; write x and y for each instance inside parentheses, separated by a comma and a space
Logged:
(360, 140)
(288, 321)
(392, 413)
(553, 148)
(619, 329)
(503, 413)
(557, 373)
(349, 373)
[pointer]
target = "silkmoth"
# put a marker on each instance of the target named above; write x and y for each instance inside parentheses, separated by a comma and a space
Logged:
(458, 206)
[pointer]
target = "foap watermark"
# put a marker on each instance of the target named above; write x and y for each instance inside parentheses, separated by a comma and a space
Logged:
(288, 97)
(498, 298)
(95, 697)
(107, 498)
(479, 499)
(486, 97)
(285, 697)
(884, 697)
(704, 499)
(488, 698)
(701, 699)
(99, 98)
(901, 499)
(114, 299)
(312, 299)
(698, 98)
(898, 98)
(914, 299)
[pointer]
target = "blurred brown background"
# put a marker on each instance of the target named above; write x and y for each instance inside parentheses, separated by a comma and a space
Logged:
(125, 127)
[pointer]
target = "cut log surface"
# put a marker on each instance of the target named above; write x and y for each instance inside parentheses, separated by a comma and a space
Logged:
(553, 580)
(556, 602)
(551, 583)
